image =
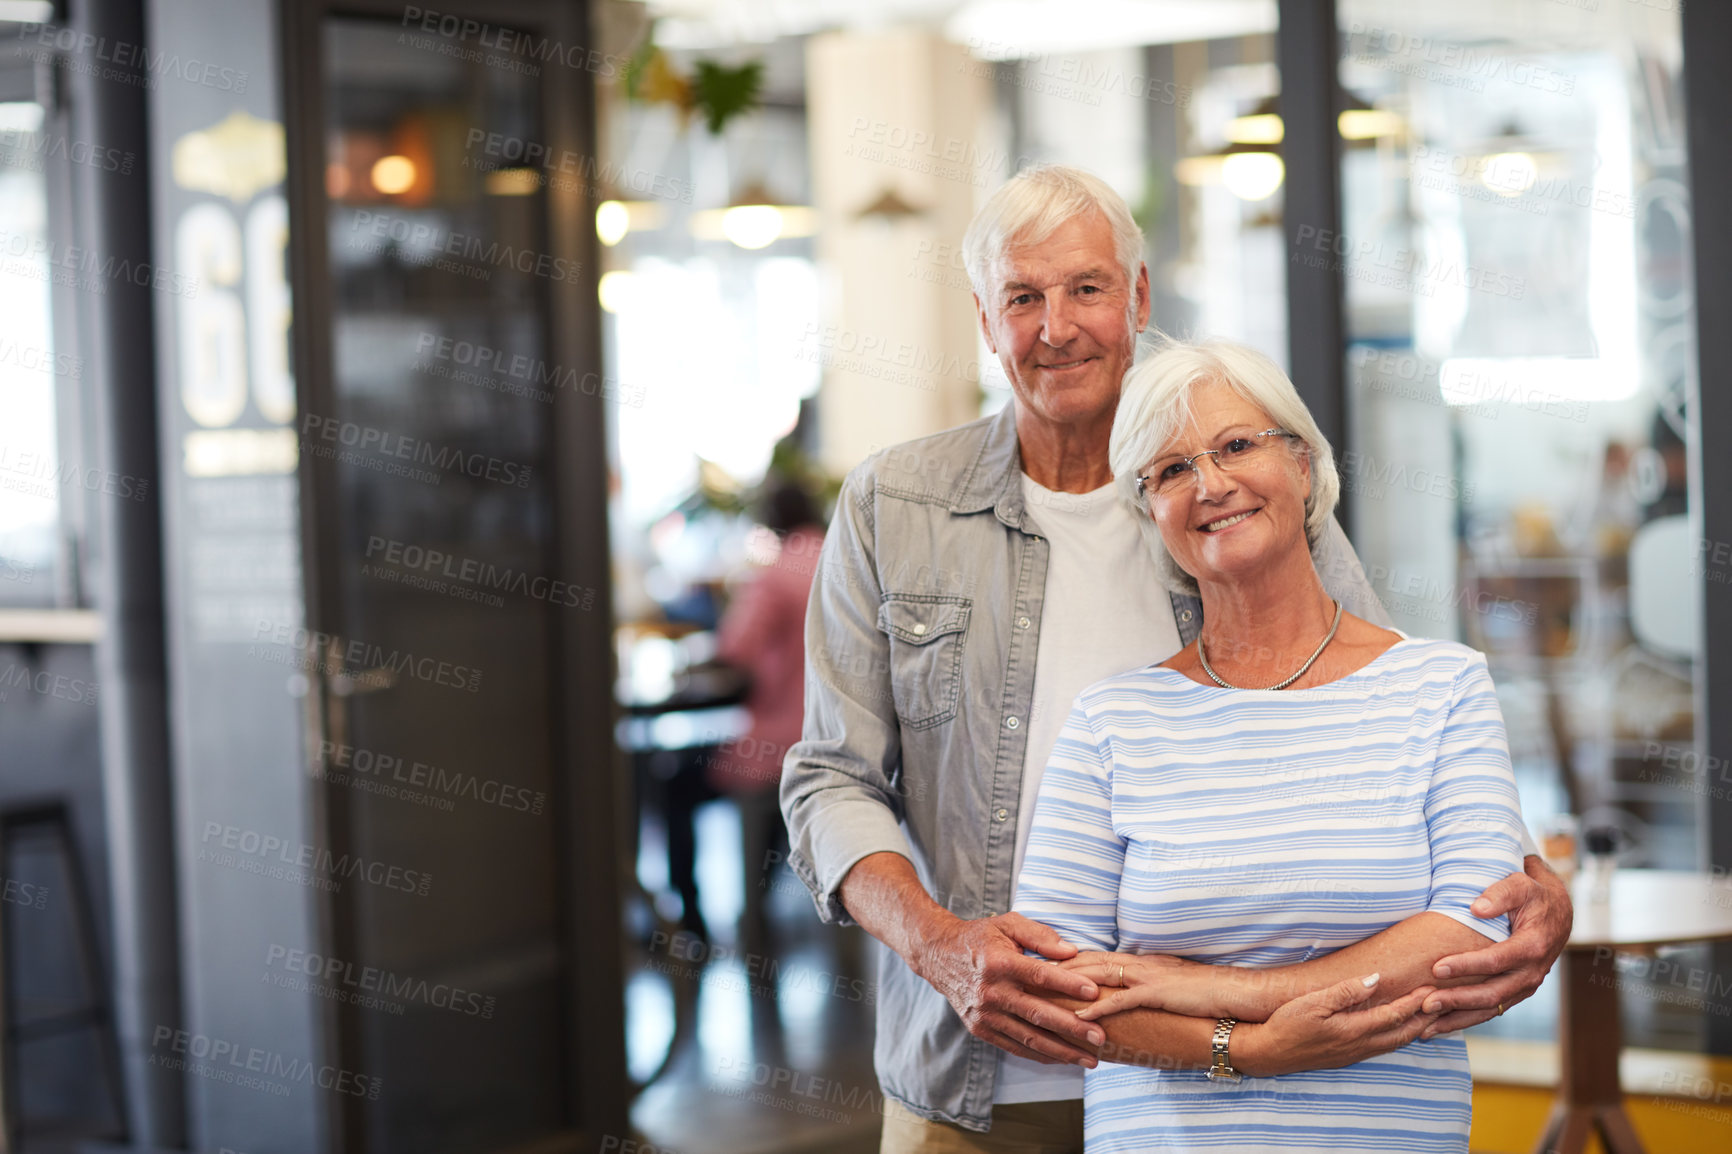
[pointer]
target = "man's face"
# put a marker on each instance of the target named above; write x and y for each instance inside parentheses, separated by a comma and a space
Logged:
(1060, 320)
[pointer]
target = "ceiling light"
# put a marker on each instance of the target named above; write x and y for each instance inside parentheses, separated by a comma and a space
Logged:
(1509, 173)
(1252, 175)
(393, 174)
(1357, 121)
(1256, 128)
(1249, 171)
(1369, 123)
(612, 222)
(889, 205)
(752, 225)
(754, 220)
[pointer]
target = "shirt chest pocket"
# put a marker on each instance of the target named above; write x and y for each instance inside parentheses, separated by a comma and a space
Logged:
(927, 634)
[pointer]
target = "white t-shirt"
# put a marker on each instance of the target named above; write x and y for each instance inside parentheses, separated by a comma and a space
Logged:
(1105, 612)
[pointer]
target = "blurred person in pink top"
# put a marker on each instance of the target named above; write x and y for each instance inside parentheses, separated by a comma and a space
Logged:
(763, 633)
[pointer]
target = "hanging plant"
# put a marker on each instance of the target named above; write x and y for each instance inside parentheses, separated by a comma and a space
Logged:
(718, 91)
(722, 93)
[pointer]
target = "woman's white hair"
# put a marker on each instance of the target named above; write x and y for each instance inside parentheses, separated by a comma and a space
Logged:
(1156, 404)
(1031, 206)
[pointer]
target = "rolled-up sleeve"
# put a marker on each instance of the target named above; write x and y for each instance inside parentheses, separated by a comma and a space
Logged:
(1470, 809)
(838, 787)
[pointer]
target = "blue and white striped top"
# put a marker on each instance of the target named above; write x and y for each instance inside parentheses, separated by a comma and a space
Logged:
(1262, 828)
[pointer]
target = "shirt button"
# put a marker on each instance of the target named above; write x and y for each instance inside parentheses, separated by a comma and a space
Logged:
(919, 627)
(1011, 723)
(1184, 615)
(1002, 815)
(1022, 622)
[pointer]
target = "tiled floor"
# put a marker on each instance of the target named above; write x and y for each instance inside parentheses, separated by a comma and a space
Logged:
(770, 1052)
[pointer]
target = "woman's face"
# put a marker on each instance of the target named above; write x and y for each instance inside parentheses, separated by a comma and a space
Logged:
(1224, 524)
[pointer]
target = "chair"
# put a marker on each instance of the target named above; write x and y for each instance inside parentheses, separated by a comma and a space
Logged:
(51, 820)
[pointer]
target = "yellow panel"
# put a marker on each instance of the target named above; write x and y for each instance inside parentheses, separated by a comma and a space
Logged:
(1508, 1120)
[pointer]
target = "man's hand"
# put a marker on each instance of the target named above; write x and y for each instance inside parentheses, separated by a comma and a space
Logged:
(979, 965)
(1328, 1029)
(1513, 969)
(995, 988)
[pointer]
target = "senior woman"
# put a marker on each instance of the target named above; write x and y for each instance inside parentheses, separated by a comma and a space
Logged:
(1298, 803)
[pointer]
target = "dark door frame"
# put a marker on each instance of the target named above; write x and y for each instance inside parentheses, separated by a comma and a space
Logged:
(1707, 33)
(1307, 48)
(587, 787)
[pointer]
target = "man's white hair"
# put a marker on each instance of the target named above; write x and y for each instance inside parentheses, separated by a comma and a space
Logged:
(1031, 206)
(1156, 404)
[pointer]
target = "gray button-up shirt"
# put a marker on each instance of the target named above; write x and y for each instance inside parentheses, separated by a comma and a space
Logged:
(920, 646)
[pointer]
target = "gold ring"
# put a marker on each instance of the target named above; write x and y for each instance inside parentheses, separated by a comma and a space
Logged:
(1121, 973)
(1500, 1009)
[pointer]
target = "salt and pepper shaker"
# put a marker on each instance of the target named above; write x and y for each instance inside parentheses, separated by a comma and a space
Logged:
(1558, 845)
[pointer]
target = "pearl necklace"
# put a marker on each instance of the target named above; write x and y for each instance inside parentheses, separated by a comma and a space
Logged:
(1309, 661)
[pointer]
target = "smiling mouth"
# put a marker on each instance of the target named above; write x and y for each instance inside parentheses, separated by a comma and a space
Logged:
(1224, 522)
(1067, 364)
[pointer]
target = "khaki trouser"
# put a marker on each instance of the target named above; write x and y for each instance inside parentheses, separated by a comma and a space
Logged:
(1024, 1128)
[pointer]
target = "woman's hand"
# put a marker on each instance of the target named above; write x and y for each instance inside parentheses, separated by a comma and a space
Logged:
(1155, 982)
(1329, 1029)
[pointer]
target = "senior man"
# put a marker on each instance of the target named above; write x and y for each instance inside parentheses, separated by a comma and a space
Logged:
(973, 582)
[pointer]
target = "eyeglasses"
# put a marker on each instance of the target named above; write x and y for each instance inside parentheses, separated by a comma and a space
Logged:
(1180, 474)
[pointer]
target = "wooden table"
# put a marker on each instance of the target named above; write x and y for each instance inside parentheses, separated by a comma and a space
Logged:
(1648, 908)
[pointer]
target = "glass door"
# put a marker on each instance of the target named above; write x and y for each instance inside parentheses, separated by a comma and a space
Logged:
(457, 571)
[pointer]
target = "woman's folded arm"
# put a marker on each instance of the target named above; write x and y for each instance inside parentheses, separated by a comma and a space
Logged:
(1334, 1026)
(1403, 955)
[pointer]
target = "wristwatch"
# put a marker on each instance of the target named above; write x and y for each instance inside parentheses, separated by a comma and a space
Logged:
(1222, 1069)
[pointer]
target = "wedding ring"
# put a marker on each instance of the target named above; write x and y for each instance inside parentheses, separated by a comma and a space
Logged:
(1121, 973)
(1500, 1009)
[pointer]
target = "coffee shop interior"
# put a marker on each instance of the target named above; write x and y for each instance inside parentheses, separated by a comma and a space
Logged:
(418, 427)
